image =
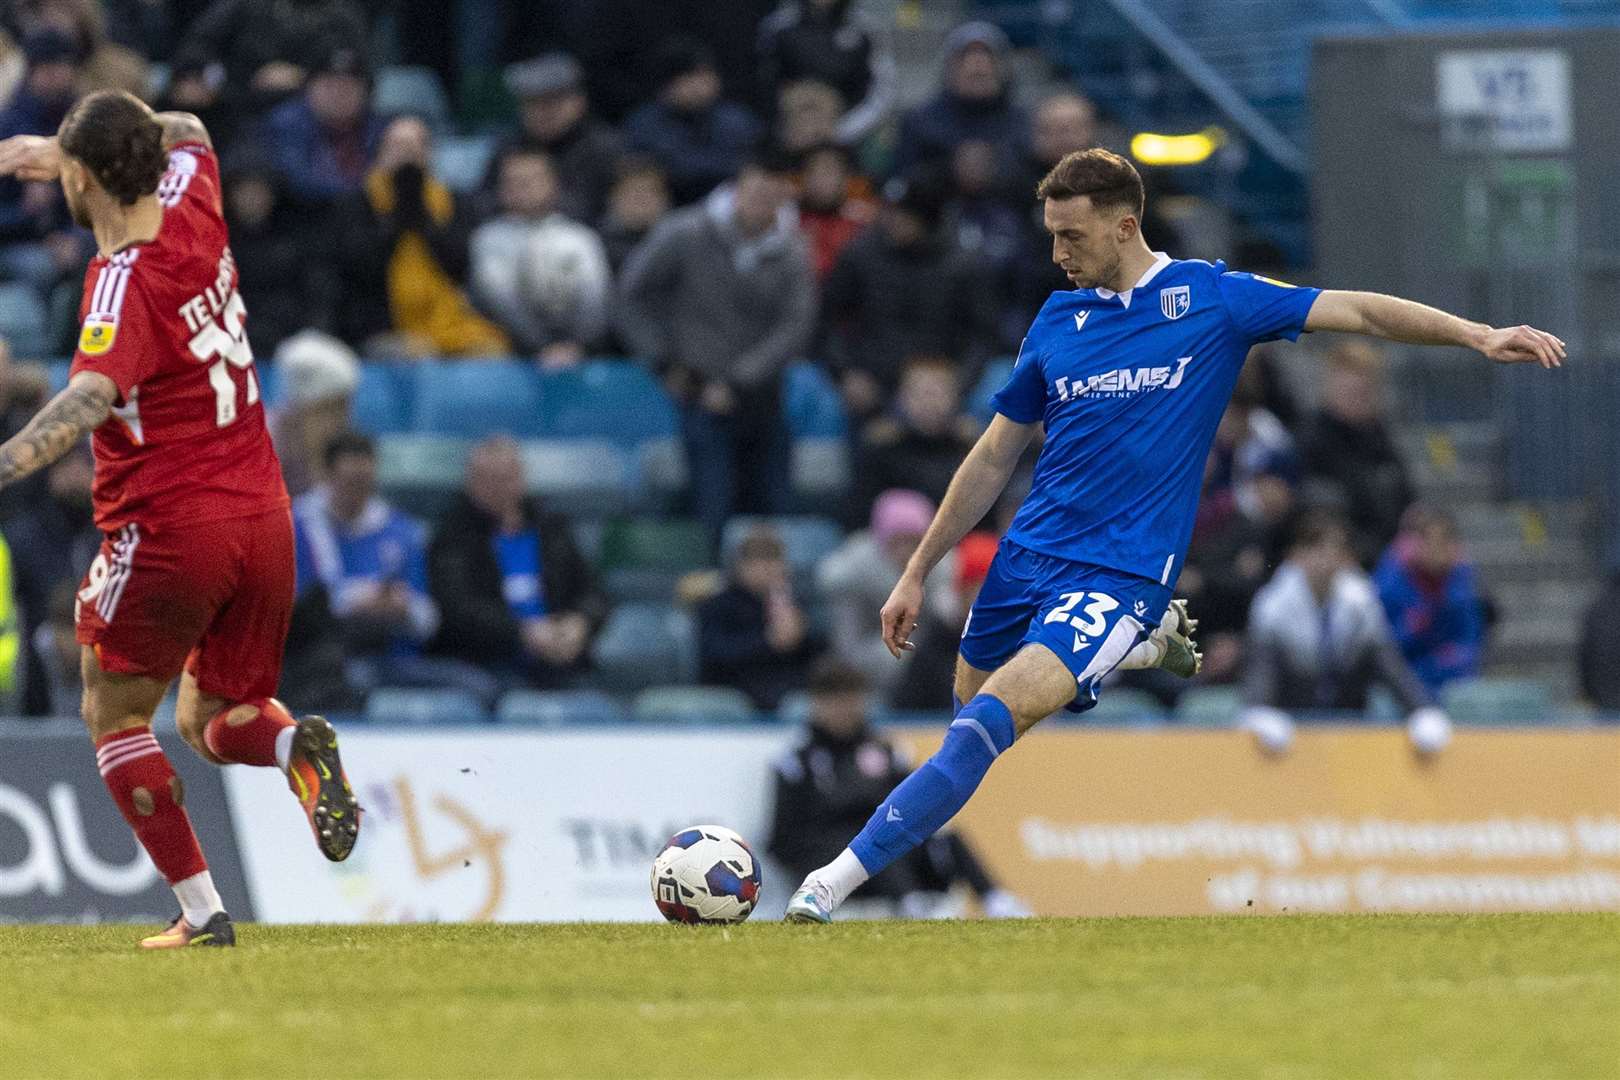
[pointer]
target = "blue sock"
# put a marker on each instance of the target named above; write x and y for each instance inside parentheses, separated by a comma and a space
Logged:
(941, 786)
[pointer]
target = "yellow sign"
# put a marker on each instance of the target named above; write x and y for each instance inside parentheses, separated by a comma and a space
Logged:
(1184, 823)
(97, 335)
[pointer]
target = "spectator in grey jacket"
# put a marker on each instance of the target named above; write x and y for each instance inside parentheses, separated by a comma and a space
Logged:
(1319, 640)
(721, 298)
(543, 276)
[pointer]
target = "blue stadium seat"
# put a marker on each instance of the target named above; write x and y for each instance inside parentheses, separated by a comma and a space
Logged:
(820, 468)
(814, 407)
(643, 645)
(462, 160)
(579, 476)
(22, 320)
(559, 708)
(993, 379)
(808, 539)
(382, 401)
(694, 705)
(411, 89)
(401, 705)
(270, 388)
(421, 473)
(1498, 702)
(474, 398)
(606, 399)
(1209, 706)
(1120, 705)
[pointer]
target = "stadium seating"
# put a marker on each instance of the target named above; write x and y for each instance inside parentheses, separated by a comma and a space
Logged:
(813, 405)
(403, 705)
(606, 399)
(694, 705)
(559, 708)
(413, 90)
(645, 557)
(1209, 706)
(22, 320)
(579, 476)
(474, 398)
(461, 161)
(1498, 702)
(57, 372)
(1120, 705)
(820, 469)
(994, 378)
(420, 473)
(644, 645)
(383, 400)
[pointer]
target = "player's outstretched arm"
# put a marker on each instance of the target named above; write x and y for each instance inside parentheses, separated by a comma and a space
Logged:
(1418, 324)
(978, 483)
(182, 127)
(54, 430)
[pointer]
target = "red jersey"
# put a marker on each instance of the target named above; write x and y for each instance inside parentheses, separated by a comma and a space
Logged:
(187, 440)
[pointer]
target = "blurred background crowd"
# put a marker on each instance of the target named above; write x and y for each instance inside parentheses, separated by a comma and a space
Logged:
(619, 354)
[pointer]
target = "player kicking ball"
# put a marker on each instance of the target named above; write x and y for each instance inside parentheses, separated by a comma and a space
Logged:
(195, 576)
(1129, 374)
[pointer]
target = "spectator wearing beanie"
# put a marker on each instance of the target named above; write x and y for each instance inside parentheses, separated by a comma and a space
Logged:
(699, 138)
(318, 376)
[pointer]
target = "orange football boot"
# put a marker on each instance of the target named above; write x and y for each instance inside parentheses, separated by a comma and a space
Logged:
(315, 775)
(217, 931)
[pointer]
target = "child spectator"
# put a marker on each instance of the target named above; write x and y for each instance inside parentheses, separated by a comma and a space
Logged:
(754, 635)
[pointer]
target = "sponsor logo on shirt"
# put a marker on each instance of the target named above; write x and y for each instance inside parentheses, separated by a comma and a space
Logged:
(1123, 382)
(97, 335)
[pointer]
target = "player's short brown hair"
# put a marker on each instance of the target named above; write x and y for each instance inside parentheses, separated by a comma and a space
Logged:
(1107, 178)
(119, 141)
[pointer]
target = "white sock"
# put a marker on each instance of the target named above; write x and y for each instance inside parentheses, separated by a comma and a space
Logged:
(198, 898)
(284, 739)
(842, 876)
(1146, 654)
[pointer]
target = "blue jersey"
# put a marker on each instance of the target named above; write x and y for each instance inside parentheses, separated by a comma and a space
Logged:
(1130, 387)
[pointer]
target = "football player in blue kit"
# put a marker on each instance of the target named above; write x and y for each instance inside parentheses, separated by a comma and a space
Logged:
(1129, 374)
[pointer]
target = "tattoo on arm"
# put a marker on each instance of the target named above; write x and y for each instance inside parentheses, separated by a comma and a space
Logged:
(180, 127)
(56, 428)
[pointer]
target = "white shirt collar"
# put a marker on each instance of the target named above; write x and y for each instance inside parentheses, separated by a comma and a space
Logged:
(1160, 261)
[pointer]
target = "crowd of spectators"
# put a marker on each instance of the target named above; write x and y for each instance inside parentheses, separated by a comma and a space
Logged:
(717, 208)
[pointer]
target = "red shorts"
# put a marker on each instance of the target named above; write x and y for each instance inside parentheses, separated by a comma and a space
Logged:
(213, 599)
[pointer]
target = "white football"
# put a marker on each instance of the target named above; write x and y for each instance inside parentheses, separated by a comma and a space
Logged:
(706, 874)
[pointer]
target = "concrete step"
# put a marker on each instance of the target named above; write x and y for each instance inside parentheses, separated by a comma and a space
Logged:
(1551, 598)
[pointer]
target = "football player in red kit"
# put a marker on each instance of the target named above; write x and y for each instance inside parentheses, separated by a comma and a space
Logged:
(195, 577)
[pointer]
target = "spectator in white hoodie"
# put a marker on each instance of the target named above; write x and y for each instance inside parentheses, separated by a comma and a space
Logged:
(543, 276)
(1319, 640)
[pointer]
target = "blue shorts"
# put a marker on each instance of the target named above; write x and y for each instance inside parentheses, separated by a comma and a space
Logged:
(1089, 616)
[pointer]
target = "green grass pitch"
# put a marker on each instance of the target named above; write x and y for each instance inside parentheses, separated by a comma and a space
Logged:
(1273, 997)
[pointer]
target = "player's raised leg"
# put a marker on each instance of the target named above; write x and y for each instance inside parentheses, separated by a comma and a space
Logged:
(227, 710)
(1031, 686)
(118, 713)
(261, 732)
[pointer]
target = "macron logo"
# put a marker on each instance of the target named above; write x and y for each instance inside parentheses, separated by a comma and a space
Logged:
(1080, 321)
(894, 814)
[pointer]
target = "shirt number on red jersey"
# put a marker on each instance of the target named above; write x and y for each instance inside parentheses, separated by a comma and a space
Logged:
(230, 345)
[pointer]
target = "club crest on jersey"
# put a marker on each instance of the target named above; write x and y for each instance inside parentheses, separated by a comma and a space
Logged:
(1175, 301)
(97, 335)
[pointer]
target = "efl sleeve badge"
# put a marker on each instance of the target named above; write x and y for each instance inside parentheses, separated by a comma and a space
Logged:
(97, 335)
